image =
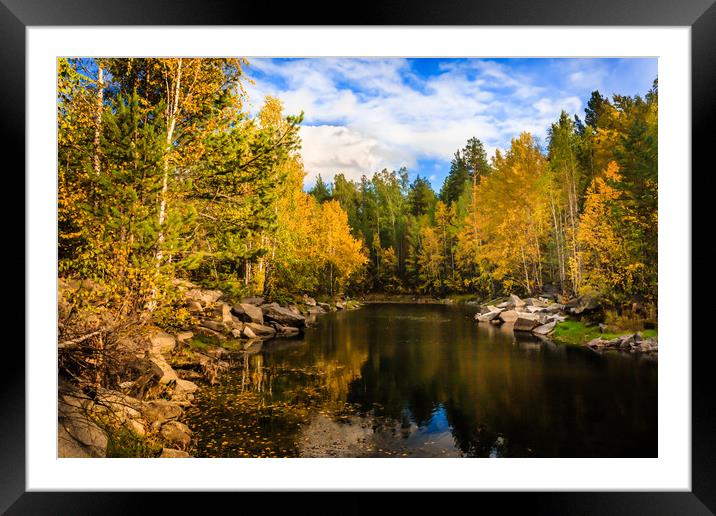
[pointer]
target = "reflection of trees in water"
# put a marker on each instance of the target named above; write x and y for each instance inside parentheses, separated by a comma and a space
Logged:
(500, 395)
(532, 398)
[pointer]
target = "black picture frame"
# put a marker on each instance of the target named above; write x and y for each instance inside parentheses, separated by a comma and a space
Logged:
(700, 15)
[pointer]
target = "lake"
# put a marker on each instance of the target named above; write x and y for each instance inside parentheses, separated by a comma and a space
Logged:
(425, 380)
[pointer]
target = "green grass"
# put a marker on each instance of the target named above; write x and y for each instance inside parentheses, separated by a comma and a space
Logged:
(578, 333)
(122, 442)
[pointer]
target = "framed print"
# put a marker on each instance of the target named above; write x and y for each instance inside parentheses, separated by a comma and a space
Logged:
(432, 250)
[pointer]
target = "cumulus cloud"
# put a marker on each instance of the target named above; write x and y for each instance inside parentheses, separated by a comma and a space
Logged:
(362, 115)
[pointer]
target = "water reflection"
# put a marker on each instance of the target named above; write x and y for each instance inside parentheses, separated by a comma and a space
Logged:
(425, 380)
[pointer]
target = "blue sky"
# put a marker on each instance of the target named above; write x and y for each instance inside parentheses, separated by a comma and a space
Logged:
(366, 114)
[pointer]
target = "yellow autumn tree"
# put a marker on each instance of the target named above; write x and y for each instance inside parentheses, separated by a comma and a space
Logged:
(603, 236)
(339, 252)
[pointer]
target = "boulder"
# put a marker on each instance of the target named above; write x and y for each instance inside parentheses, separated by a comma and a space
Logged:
(309, 301)
(208, 332)
(248, 313)
(222, 312)
(204, 297)
(340, 305)
(216, 326)
(77, 434)
(516, 301)
(489, 316)
(583, 304)
(194, 306)
(185, 387)
(162, 370)
(522, 324)
(491, 308)
(249, 333)
(160, 411)
(533, 301)
(162, 342)
(261, 330)
(545, 329)
(175, 432)
(314, 310)
(649, 345)
(286, 331)
(535, 309)
(184, 336)
(117, 404)
(505, 305)
(172, 453)
(556, 317)
(325, 306)
(509, 316)
(136, 427)
(284, 316)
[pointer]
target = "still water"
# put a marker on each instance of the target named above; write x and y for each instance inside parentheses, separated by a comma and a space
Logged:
(398, 380)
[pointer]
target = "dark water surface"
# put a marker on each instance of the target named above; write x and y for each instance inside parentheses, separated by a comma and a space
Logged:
(401, 380)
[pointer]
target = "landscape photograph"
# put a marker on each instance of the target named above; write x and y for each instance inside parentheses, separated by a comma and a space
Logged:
(357, 257)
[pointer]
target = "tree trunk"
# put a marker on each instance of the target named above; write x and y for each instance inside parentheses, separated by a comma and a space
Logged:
(98, 120)
(171, 118)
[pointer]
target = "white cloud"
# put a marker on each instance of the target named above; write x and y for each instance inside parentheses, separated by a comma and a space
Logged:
(362, 115)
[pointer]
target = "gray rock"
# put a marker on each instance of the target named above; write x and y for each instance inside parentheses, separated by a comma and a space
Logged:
(194, 306)
(309, 301)
(160, 411)
(162, 370)
(284, 316)
(216, 326)
(535, 309)
(489, 316)
(162, 342)
(202, 330)
(261, 330)
(509, 316)
(522, 324)
(204, 297)
(175, 432)
(583, 304)
(185, 387)
(184, 336)
(516, 301)
(545, 329)
(249, 333)
(77, 434)
(172, 453)
(222, 312)
(248, 313)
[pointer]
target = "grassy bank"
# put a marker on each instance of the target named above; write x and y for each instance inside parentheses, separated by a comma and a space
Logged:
(578, 333)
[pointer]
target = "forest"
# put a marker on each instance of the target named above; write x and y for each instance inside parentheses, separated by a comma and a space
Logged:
(164, 175)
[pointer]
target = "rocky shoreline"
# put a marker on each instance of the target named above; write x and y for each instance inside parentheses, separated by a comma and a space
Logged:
(540, 316)
(162, 371)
